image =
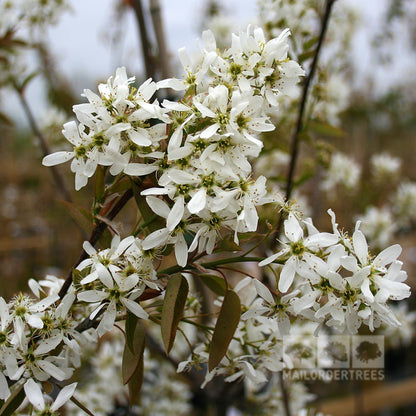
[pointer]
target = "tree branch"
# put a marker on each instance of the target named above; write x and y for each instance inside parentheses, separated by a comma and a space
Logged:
(149, 61)
(308, 80)
(164, 65)
(300, 123)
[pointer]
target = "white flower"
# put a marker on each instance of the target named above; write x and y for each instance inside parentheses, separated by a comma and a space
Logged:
(378, 225)
(36, 397)
(301, 250)
(404, 204)
(120, 293)
(343, 170)
(385, 166)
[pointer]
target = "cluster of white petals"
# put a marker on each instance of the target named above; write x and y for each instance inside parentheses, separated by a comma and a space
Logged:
(336, 280)
(113, 279)
(343, 171)
(204, 177)
(196, 156)
(30, 330)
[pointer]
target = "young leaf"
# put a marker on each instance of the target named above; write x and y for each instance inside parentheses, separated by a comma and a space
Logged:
(225, 327)
(172, 310)
(133, 352)
(215, 283)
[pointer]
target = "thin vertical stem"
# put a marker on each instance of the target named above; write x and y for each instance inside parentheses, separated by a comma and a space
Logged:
(149, 62)
(294, 147)
(163, 60)
(299, 125)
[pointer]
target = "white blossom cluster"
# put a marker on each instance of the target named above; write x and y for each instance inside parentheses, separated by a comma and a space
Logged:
(95, 391)
(331, 91)
(404, 204)
(30, 13)
(160, 395)
(339, 283)
(380, 225)
(199, 146)
(343, 171)
(40, 340)
(31, 332)
(195, 154)
(300, 16)
(385, 166)
(326, 279)
(113, 279)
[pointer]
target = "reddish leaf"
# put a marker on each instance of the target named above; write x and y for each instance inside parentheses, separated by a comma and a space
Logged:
(224, 330)
(135, 384)
(130, 328)
(133, 356)
(172, 310)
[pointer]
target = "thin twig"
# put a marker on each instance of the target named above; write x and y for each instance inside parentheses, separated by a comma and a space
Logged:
(300, 123)
(164, 63)
(308, 80)
(149, 61)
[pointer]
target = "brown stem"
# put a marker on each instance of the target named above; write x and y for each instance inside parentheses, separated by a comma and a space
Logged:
(300, 124)
(164, 65)
(149, 62)
(96, 233)
(308, 80)
(58, 178)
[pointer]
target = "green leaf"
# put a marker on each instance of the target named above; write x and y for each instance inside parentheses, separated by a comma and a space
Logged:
(172, 310)
(13, 402)
(325, 129)
(215, 283)
(133, 353)
(80, 215)
(224, 330)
